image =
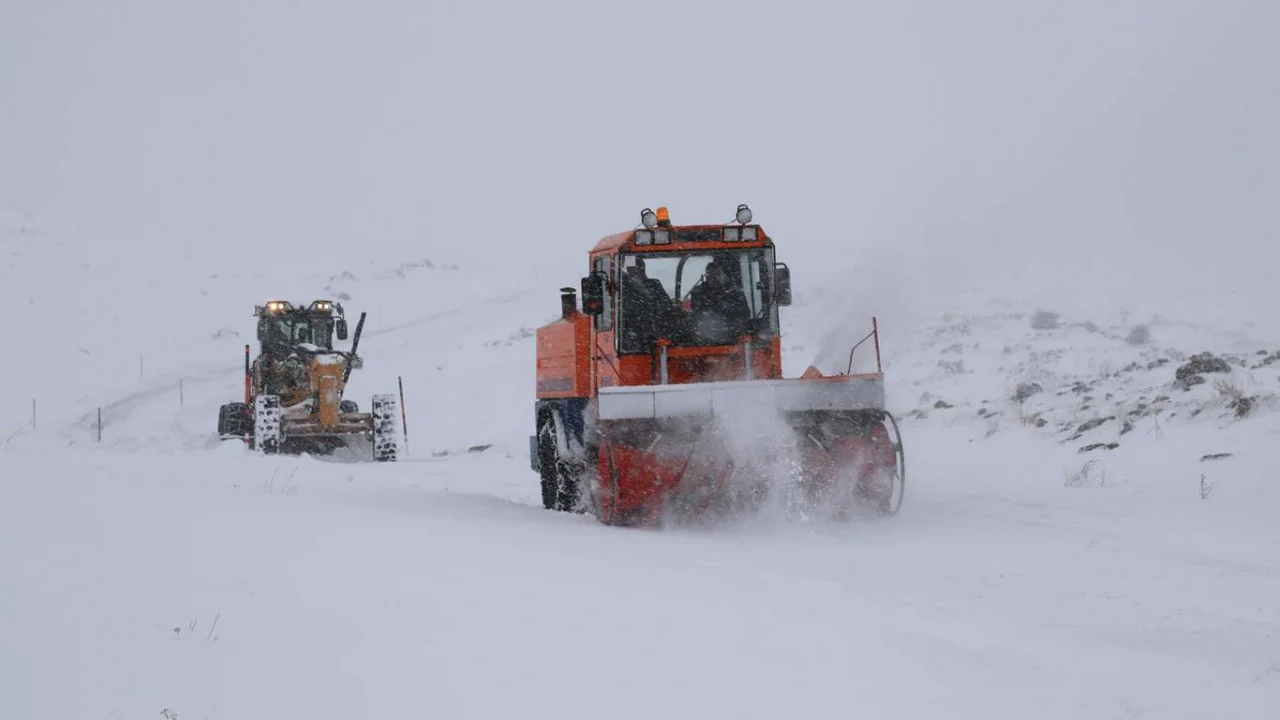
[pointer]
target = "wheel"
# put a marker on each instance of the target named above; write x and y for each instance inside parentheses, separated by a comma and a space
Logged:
(235, 420)
(854, 464)
(386, 428)
(348, 406)
(266, 424)
(560, 473)
(882, 484)
(899, 476)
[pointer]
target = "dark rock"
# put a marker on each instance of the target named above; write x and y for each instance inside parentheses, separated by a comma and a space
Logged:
(1215, 456)
(1126, 428)
(1268, 361)
(1099, 446)
(1041, 422)
(1026, 390)
(1188, 381)
(941, 405)
(1090, 425)
(1201, 364)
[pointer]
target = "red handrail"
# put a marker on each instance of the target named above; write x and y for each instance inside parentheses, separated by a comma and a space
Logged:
(875, 333)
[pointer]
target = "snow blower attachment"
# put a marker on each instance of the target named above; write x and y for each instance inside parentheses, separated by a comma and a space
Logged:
(663, 397)
(293, 390)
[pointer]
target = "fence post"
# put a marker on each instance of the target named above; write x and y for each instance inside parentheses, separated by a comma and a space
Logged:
(404, 421)
(99, 424)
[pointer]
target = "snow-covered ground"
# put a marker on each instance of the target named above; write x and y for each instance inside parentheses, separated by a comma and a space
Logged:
(1089, 529)
(163, 570)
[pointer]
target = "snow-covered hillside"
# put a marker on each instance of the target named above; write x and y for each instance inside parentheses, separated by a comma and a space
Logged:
(1059, 216)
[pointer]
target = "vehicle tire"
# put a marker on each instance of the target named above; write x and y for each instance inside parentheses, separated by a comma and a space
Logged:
(560, 475)
(235, 420)
(266, 424)
(386, 428)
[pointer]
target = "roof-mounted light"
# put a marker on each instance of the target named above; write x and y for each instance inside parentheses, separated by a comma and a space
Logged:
(743, 215)
(648, 218)
(664, 217)
(322, 306)
(653, 237)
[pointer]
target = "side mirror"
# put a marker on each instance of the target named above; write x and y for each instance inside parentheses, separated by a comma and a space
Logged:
(593, 295)
(342, 328)
(782, 280)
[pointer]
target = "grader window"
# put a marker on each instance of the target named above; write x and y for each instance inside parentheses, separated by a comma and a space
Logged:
(288, 331)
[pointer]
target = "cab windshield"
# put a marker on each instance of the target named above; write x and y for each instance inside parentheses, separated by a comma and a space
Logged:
(695, 299)
(287, 332)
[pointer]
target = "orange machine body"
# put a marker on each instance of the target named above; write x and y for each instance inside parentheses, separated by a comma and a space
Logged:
(578, 354)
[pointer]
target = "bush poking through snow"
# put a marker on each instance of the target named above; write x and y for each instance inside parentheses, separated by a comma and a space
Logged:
(1044, 320)
(1235, 398)
(1139, 335)
(1206, 487)
(1085, 477)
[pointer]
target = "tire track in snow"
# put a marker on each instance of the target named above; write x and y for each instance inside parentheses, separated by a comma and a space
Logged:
(119, 409)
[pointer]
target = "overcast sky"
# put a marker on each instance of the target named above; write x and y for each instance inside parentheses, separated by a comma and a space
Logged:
(1071, 143)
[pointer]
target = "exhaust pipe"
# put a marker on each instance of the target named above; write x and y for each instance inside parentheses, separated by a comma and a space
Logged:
(568, 302)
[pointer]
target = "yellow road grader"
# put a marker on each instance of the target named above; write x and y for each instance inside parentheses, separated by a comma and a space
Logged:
(293, 389)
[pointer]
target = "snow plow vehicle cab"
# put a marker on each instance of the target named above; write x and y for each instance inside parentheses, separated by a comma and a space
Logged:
(664, 393)
(293, 389)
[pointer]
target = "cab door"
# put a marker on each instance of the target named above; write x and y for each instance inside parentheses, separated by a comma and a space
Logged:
(603, 353)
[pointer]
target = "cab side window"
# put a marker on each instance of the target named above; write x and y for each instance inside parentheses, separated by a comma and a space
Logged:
(604, 321)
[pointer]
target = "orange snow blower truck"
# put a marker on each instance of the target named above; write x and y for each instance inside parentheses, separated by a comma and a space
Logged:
(663, 397)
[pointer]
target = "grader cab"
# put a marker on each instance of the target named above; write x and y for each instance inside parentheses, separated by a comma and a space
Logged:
(293, 390)
(663, 397)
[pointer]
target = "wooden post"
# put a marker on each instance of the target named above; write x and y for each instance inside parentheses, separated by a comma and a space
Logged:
(404, 421)
(99, 424)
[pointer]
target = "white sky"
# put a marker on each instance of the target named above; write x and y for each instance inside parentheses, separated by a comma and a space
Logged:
(1070, 144)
